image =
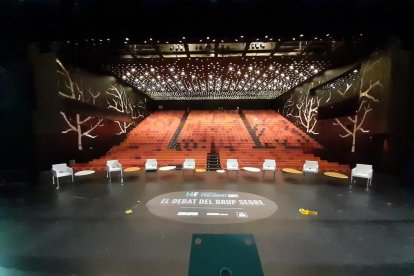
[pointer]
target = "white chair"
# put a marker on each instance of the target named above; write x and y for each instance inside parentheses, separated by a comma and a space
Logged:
(363, 171)
(151, 165)
(189, 164)
(269, 165)
(311, 167)
(113, 166)
(232, 165)
(61, 170)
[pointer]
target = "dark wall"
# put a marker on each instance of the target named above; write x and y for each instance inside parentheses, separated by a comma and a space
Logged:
(16, 94)
(215, 104)
(79, 114)
(376, 98)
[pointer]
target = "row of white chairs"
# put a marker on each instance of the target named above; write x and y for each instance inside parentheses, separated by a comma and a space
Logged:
(61, 170)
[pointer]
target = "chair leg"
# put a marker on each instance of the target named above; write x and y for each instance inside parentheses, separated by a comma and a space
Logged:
(57, 179)
(53, 179)
(122, 177)
(72, 178)
(110, 177)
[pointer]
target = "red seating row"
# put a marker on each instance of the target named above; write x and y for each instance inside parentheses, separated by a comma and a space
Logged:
(223, 130)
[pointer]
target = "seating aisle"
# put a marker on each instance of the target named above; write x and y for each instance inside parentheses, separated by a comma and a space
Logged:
(221, 132)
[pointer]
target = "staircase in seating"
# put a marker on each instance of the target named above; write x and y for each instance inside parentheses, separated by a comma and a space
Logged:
(149, 139)
(220, 132)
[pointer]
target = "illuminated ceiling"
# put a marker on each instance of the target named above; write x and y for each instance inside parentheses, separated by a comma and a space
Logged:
(207, 69)
(217, 78)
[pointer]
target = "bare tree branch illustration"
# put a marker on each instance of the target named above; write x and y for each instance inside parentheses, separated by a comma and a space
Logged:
(343, 93)
(120, 102)
(75, 91)
(365, 99)
(289, 107)
(307, 109)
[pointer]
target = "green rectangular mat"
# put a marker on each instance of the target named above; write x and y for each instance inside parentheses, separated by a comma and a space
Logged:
(224, 255)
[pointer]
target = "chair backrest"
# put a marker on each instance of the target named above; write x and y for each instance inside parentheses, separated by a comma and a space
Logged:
(364, 167)
(151, 161)
(269, 162)
(189, 161)
(311, 164)
(231, 161)
(112, 163)
(59, 167)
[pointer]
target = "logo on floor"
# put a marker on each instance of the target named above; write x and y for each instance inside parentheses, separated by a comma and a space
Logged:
(211, 207)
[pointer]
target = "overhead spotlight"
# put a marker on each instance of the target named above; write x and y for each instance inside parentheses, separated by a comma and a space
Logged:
(123, 77)
(301, 35)
(315, 71)
(126, 38)
(133, 70)
(355, 71)
(128, 74)
(270, 67)
(250, 68)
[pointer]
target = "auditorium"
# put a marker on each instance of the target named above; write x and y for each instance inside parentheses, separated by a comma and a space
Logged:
(210, 137)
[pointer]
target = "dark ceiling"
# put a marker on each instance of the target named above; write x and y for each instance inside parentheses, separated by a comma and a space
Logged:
(71, 19)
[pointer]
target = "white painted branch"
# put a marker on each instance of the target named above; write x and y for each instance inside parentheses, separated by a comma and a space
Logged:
(84, 121)
(91, 129)
(68, 78)
(343, 126)
(366, 92)
(67, 121)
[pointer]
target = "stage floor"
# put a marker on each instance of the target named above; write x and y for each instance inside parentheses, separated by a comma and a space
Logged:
(82, 229)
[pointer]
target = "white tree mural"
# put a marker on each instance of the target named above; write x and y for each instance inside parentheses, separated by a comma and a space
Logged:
(289, 107)
(119, 101)
(307, 110)
(82, 126)
(365, 104)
